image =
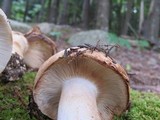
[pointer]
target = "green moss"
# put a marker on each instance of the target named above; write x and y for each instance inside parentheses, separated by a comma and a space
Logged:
(145, 106)
(11, 107)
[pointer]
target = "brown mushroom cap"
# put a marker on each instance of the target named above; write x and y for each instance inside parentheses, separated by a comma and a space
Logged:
(40, 48)
(109, 77)
(5, 41)
(20, 43)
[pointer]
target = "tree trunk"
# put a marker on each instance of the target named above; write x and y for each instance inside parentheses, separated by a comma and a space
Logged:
(102, 19)
(85, 13)
(63, 16)
(110, 14)
(6, 7)
(41, 13)
(128, 17)
(53, 11)
(150, 27)
(141, 16)
(26, 10)
(49, 10)
(120, 16)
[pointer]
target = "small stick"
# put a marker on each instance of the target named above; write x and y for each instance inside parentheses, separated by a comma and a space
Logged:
(19, 97)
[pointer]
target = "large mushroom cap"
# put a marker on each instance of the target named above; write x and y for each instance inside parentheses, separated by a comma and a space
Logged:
(109, 77)
(5, 41)
(40, 48)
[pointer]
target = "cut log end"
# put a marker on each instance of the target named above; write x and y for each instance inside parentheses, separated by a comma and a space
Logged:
(14, 69)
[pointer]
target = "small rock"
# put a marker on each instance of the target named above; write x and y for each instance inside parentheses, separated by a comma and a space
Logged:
(19, 26)
(45, 27)
(90, 37)
(152, 62)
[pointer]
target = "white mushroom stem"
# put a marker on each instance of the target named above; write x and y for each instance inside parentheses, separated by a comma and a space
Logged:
(78, 100)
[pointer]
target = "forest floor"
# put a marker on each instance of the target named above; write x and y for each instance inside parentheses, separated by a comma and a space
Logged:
(143, 66)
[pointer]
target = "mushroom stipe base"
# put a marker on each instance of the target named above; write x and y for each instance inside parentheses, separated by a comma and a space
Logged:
(14, 69)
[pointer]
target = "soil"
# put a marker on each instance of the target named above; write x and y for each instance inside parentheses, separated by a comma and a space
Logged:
(143, 66)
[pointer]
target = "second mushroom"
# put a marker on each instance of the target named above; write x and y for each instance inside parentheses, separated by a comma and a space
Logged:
(19, 50)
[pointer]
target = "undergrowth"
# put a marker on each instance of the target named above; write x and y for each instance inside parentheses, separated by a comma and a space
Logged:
(144, 106)
(14, 100)
(113, 38)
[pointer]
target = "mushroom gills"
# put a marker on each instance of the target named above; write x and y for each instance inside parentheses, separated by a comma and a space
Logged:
(40, 48)
(5, 41)
(37, 53)
(106, 92)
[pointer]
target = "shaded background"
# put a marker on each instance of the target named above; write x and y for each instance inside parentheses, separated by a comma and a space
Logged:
(138, 18)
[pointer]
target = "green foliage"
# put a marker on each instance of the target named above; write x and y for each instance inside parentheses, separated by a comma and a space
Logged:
(74, 11)
(143, 44)
(55, 34)
(128, 67)
(113, 38)
(18, 9)
(38, 12)
(10, 106)
(32, 12)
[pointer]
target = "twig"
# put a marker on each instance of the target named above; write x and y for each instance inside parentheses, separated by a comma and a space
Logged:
(17, 93)
(131, 74)
(132, 29)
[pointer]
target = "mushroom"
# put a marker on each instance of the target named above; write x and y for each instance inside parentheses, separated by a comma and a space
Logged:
(5, 41)
(81, 83)
(18, 50)
(20, 43)
(40, 48)
(11, 64)
(34, 47)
